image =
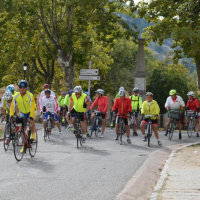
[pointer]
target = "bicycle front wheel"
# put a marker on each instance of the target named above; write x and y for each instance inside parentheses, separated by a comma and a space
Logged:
(19, 146)
(33, 146)
(149, 134)
(190, 128)
(120, 131)
(170, 131)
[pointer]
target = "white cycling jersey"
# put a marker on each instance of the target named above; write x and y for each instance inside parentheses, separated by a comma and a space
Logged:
(50, 104)
(42, 94)
(174, 104)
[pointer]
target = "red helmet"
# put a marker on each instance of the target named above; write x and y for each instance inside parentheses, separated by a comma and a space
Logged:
(45, 86)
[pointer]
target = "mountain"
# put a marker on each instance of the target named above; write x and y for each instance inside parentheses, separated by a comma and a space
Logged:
(160, 51)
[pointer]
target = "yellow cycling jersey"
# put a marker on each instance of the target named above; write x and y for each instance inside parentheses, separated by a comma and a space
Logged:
(78, 103)
(152, 109)
(25, 103)
(6, 106)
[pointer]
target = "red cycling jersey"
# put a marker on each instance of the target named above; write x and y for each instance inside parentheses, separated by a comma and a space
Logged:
(123, 106)
(102, 104)
(193, 104)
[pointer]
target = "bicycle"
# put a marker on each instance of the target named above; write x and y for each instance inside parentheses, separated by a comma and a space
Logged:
(10, 129)
(95, 126)
(78, 129)
(22, 140)
(173, 114)
(191, 123)
(48, 127)
(121, 127)
(63, 123)
(149, 128)
(132, 119)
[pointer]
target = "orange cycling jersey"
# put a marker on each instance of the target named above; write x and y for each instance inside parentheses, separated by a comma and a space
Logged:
(193, 104)
(102, 104)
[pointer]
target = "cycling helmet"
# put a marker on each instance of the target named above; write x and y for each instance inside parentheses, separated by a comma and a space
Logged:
(47, 91)
(10, 88)
(78, 89)
(64, 92)
(23, 83)
(191, 93)
(7, 95)
(122, 93)
(70, 92)
(149, 94)
(97, 91)
(100, 91)
(172, 92)
(135, 89)
(121, 88)
(86, 92)
(45, 85)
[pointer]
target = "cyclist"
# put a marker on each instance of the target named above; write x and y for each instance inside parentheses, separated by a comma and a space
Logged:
(102, 102)
(66, 106)
(193, 104)
(26, 105)
(150, 107)
(79, 103)
(61, 104)
(113, 117)
(174, 102)
(10, 88)
(49, 104)
(136, 103)
(123, 105)
(6, 106)
(42, 94)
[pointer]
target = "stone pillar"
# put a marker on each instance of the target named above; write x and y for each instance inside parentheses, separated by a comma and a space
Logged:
(140, 74)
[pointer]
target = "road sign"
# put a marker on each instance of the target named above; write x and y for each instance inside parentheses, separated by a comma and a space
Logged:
(91, 78)
(89, 72)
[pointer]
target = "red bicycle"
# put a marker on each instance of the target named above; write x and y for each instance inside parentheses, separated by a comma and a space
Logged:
(22, 140)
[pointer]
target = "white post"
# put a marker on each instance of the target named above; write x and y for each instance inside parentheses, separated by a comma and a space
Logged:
(90, 64)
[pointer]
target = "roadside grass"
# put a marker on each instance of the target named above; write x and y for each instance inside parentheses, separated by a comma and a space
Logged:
(196, 145)
(1, 133)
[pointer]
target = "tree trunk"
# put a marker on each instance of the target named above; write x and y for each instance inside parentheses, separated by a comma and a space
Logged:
(66, 62)
(197, 62)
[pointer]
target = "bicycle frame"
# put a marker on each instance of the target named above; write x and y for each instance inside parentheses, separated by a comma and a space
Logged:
(95, 125)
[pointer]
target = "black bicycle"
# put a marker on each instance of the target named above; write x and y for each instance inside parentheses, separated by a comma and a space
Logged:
(149, 131)
(48, 127)
(78, 129)
(22, 140)
(95, 126)
(173, 114)
(9, 130)
(122, 129)
(191, 123)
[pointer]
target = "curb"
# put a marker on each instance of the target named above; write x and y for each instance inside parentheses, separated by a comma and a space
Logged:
(164, 173)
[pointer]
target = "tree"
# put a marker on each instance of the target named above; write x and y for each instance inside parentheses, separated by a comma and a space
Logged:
(179, 20)
(166, 77)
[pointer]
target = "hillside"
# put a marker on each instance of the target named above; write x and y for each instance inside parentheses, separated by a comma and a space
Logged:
(160, 51)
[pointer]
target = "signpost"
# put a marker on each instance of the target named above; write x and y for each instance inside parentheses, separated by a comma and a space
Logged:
(89, 74)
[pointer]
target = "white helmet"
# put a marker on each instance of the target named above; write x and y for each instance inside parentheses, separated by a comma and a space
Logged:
(100, 91)
(7, 95)
(78, 89)
(121, 88)
(122, 93)
(191, 93)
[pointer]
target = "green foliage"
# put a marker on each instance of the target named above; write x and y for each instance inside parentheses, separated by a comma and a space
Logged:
(164, 77)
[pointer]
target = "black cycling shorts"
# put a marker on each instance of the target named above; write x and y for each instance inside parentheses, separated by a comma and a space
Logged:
(73, 114)
(125, 120)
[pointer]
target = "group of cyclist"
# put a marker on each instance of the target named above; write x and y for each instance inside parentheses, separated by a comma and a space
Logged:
(76, 102)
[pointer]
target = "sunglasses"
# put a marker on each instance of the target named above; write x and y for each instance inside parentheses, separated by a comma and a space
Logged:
(77, 94)
(20, 87)
(136, 92)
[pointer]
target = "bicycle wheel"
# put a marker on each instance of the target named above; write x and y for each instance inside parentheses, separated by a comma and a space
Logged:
(120, 131)
(93, 127)
(80, 137)
(190, 128)
(33, 145)
(4, 141)
(149, 134)
(18, 145)
(49, 128)
(96, 127)
(171, 130)
(45, 132)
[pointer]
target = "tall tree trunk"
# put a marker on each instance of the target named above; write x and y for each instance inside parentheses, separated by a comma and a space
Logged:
(66, 61)
(197, 62)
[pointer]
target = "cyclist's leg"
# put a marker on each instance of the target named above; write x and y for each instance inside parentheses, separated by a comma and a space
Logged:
(167, 125)
(127, 130)
(92, 119)
(104, 116)
(143, 125)
(44, 119)
(56, 120)
(135, 125)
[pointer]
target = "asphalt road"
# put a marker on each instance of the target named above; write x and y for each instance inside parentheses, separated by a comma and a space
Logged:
(99, 170)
